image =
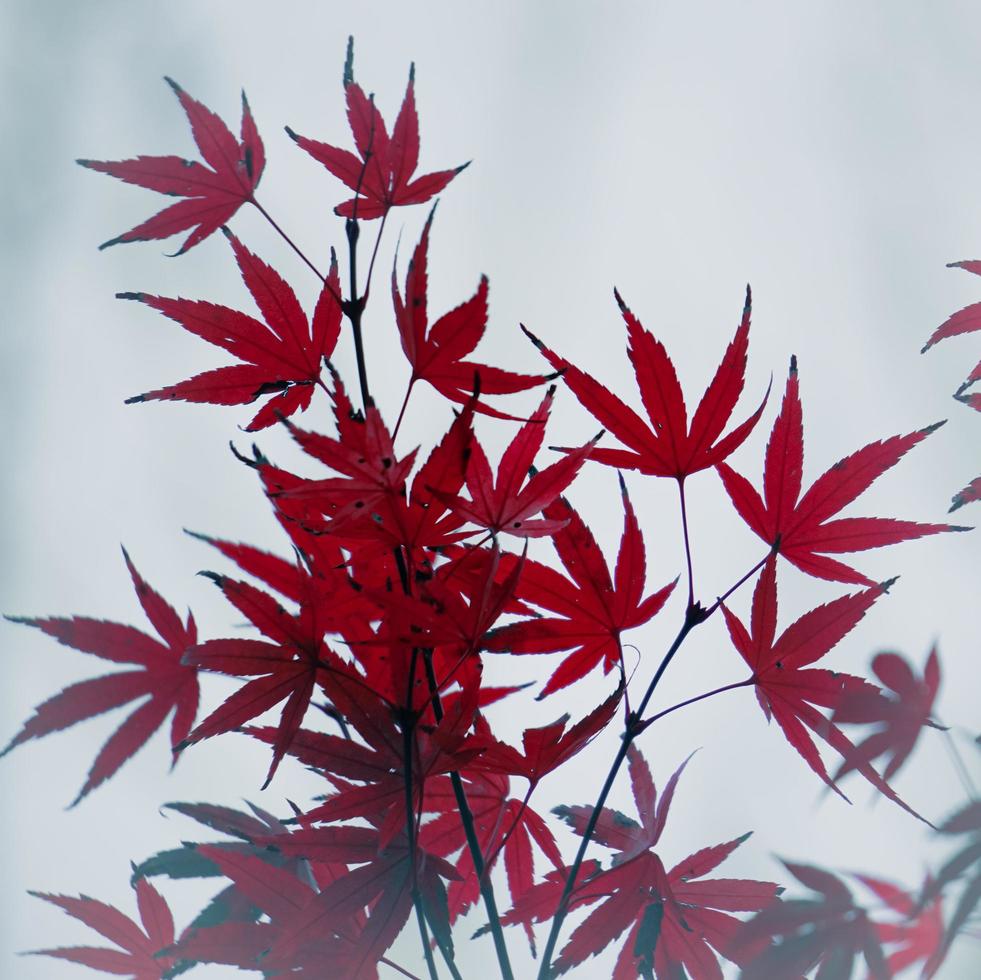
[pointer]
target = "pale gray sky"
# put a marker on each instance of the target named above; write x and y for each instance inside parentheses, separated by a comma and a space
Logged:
(826, 153)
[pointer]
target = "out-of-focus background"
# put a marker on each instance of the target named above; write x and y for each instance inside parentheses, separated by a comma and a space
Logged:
(827, 153)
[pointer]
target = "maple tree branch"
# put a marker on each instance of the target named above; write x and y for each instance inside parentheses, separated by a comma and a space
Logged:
(398, 969)
(463, 807)
(742, 581)
(684, 528)
(470, 832)
(374, 255)
(408, 749)
(514, 825)
(289, 241)
(647, 722)
(354, 308)
(405, 404)
(693, 617)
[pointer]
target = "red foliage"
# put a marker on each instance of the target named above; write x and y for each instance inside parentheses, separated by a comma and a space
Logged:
(379, 622)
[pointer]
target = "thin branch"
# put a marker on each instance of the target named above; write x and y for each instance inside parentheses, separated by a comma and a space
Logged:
(692, 619)
(647, 722)
(408, 751)
(289, 241)
(684, 528)
(742, 581)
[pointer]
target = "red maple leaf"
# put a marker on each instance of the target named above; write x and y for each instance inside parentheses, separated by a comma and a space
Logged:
(372, 475)
(282, 356)
(593, 610)
(138, 948)
(788, 688)
(668, 445)
(675, 922)
(213, 195)
(798, 527)
(286, 668)
(830, 932)
(163, 679)
(506, 503)
(437, 353)
(381, 175)
(548, 747)
(901, 714)
(918, 933)
(316, 931)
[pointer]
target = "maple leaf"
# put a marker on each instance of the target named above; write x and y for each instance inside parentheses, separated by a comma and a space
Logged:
(830, 932)
(798, 527)
(667, 445)
(437, 353)
(593, 610)
(788, 689)
(381, 175)
(548, 747)
(213, 193)
(136, 956)
(286, 668)
(281, 356)
(189, 862)
(918, 933)
(902, 713)
(372, 475)
(167, 684)
(675, 922)
(503, 504)
(313, 932)
(963, 863)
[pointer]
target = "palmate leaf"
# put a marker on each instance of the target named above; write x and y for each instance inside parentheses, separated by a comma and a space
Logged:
(917, 936)
(789, 690)
(675, 920)
(666, 445)
(830, 932)
(285, 665)
(136, 956)
(382, 173)
(901, 710)
(212, 193)
(800, 527)
(166, 683)
(282, 355)
(506, 503)
(437, 352)
(592, 609)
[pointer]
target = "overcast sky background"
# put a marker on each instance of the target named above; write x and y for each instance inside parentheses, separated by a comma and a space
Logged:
(827, 153)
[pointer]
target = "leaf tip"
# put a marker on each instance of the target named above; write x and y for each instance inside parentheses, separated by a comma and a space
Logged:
(888, 584)
(291, 134)
(219, 580)
(139, 297)
(134, 399)
(348, 76)
(623, 306)
(793, 365)
(178, 91)
(932, 428)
